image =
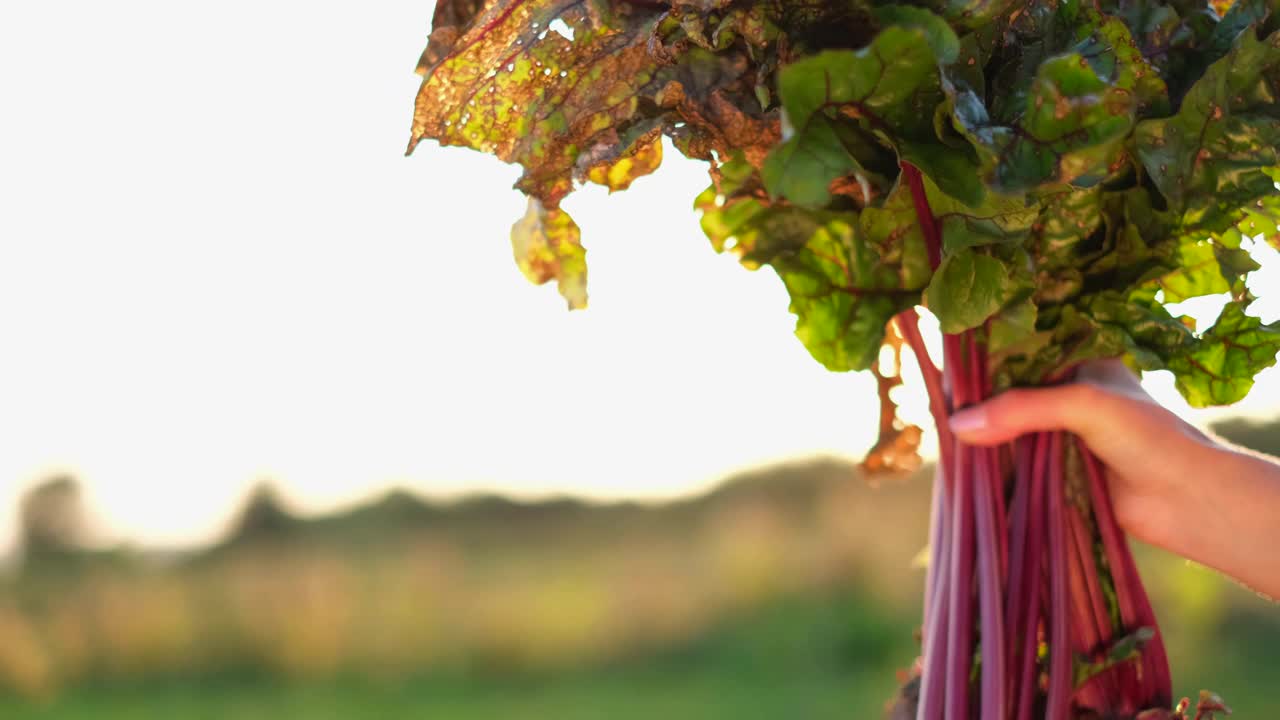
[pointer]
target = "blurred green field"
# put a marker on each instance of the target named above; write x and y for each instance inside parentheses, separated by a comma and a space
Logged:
(787, 592)
(814, 658)
(623, 698)
(807, 659)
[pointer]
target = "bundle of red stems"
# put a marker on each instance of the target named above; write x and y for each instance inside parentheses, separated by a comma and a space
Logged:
(1033, 607)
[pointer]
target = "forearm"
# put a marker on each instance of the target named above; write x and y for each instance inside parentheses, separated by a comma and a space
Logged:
(1229, 518)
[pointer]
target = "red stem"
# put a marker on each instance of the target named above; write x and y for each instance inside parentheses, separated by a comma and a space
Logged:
(924, 215)
(1060, 669)
(1090, 630)
(909, 324)
(960, 604)
(948, 633)
(1015, 598)
(934, 645)
(989, 586)
(937, 503)
(1036, 524)
(1135, 606)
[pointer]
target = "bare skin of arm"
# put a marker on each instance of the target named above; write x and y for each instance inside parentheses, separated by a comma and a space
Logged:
(1173, 486)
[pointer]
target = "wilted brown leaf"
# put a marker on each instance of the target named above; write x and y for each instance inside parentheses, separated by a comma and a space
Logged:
(897, 447)
(623, 171)
(570, 89)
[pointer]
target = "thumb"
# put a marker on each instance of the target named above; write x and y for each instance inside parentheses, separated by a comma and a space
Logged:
(1081, 408)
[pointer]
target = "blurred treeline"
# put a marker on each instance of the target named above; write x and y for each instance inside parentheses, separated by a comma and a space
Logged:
(799, 568)
(401, 586)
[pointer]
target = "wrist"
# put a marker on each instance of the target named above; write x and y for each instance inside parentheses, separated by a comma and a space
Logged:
(1165, 495)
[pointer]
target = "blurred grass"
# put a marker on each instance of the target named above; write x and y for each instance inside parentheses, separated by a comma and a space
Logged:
(787, 592)
(817, 658)
(639, 696)
(800, 658)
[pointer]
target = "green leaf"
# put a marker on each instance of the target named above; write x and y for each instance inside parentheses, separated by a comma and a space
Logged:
(1241, 17)
(546, 246)
(1109, 48)
(1221, 367)
(955, 171)
(1261, 219)
(843, 293)
(1063, 111)
(941, 38)
(1066, 221)
(802, 168)
(1150, 333)
(999, 220)
(972, 13)
(1122, 650)
(874, 84)
(893, 231)
(734, 218)
(1212, 159)
(847, 273)
(1071, 131)
(1203, 267)
(1197, 273)
(968, 288)
(1013, 329)
(1155, 26)
(1079, 337)
(839, 100)
(724, 220)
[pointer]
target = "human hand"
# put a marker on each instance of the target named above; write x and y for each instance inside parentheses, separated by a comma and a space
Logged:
(1171, 484)
(1150, 453)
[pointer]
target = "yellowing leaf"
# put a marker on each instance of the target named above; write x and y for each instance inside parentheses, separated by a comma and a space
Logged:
(625, 170)
(546, 245)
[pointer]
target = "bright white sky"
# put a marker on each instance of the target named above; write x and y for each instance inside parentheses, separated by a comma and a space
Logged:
(215, 266)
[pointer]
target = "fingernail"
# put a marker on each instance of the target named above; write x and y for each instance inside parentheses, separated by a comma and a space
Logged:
(969, 420)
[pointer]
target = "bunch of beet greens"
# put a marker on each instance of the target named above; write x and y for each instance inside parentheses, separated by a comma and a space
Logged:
(1044, 177)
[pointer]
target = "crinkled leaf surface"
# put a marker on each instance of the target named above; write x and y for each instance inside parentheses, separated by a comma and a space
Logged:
(968, 288)
(1070, 132)
(885, 93)
(847, 273)
(997, 220)
(843, 292)
(1211, 159)
(802, 168)
(1082, 162)
(874, 84)
(1149, 331)
(1197, 271)
(620, 175)
(1068, 99)
(1221, 369)
(1013, 329)
(510, 84)
(573, 90)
